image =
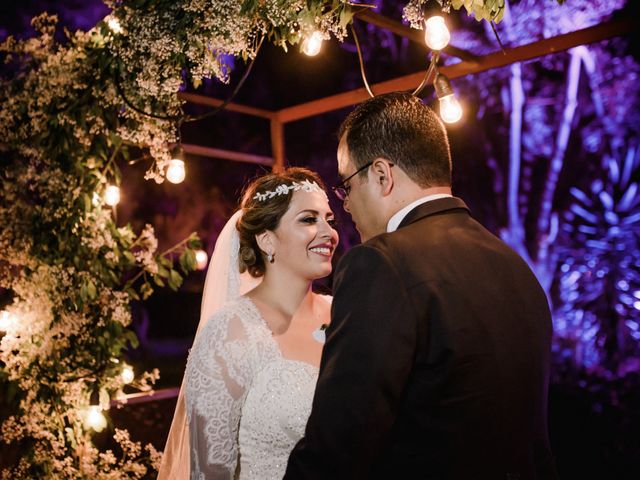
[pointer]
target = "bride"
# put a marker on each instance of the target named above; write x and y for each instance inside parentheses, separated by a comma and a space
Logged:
(251, 373)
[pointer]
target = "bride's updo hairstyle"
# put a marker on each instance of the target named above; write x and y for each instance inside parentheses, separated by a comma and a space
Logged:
(261, 215)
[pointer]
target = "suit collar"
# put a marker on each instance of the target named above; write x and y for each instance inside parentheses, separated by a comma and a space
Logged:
(396, 219)
(433, 207)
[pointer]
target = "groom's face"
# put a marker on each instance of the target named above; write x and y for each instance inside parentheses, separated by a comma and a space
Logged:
(362, 203)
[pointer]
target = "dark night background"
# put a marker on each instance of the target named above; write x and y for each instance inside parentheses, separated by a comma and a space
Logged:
(591, 273)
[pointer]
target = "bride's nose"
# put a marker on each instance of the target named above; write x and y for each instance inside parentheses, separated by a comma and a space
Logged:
(325, 229)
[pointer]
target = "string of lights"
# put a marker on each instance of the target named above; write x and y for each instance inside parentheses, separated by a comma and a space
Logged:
(437, 37)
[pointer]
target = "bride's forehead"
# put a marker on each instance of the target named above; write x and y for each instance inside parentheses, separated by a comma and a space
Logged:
(301, 200)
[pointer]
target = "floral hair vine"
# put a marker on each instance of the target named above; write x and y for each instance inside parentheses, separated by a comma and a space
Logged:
(283, 189)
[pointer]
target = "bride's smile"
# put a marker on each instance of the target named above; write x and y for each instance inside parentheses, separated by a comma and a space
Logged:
(326, 250)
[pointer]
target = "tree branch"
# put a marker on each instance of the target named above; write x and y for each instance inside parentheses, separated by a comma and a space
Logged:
(562, 140)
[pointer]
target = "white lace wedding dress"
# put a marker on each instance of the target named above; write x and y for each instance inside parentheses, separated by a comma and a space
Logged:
(247, 405)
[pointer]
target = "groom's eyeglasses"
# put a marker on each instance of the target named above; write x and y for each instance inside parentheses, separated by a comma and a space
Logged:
(343, 188)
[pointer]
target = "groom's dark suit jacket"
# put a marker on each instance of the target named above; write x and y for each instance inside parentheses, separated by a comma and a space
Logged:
(436, 363)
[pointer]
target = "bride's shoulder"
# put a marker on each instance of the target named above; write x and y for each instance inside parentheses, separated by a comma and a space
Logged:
(232, 324)
(234, 314)
(227, 310)
(244, 311)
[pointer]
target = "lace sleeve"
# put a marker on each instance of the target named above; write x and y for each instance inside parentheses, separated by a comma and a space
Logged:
(217, 375)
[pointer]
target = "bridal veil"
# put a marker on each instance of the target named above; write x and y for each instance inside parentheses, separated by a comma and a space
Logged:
(223, 283)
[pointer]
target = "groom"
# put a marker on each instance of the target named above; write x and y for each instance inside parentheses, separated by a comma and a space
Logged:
(436, 363)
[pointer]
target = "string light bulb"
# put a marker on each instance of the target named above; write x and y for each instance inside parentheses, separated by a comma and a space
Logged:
(112, 195)
(114, 24)
(312, 44)
(201, 259)
(450, 109)
(7, 320)
(436, 33)
(127, 374)
(94, 418)
(176, 172)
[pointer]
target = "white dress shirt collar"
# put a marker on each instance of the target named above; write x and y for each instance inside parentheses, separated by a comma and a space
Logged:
(394, 222)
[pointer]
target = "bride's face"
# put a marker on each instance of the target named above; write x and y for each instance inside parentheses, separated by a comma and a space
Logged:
(305, 239)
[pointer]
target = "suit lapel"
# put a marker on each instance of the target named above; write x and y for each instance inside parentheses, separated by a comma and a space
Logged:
(433, 207)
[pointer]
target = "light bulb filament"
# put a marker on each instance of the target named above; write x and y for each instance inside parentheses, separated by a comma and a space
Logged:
(201, 259)
(450, 109)
(176, 172)
(436, 33)
(112, 195)
(94, 419)
(312, 44)
(127, 374)
(114, 24)
(7, 320)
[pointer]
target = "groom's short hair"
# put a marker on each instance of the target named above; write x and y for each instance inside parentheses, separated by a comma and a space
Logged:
(400, 128)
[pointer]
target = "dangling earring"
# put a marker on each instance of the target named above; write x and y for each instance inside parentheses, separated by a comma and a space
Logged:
(271, 257)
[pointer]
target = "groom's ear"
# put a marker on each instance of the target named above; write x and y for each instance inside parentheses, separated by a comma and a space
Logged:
(265, 241)
(383, 175)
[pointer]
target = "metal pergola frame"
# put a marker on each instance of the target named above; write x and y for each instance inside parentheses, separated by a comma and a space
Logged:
(469, 64)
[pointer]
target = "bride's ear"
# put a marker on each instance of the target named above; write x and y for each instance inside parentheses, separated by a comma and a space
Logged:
(266, 242)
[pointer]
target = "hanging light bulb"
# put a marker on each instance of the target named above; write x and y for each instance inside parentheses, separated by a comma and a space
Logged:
(127, 374)
(94, 418)
(436, 33)
(450, 109)
(176, 172)
(114, 24)
(112, 195)
(7, 320)
(201, 259)
(312, 44)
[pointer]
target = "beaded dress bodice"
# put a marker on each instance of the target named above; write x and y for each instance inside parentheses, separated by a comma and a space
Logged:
(246, 404)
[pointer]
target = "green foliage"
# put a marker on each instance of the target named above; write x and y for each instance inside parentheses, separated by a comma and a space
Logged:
(68, 117)
(490, 10)
(72, 270)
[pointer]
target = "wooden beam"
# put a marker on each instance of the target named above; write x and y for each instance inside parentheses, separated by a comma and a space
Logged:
(498, 59)
(416, 36)
(277, 145)
(227, 154)
(143, 397)
(547, 46)
(198, 99)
